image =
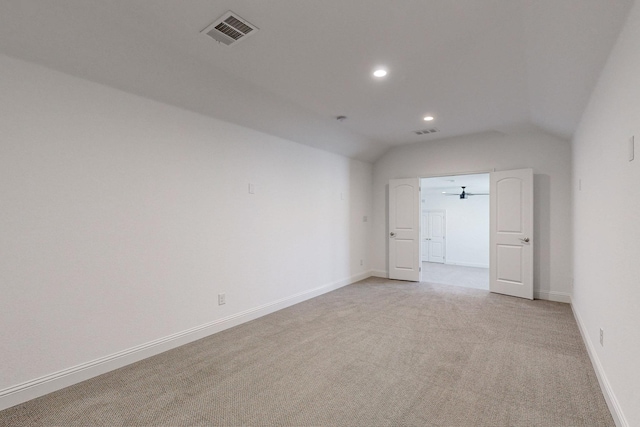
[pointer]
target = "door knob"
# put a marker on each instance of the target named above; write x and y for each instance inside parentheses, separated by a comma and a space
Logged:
(392, 234)
(525, 240)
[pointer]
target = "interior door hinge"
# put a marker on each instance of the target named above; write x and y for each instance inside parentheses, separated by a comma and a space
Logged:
(420, 269)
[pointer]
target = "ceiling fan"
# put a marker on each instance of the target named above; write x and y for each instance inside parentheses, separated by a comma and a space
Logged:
(464, 194)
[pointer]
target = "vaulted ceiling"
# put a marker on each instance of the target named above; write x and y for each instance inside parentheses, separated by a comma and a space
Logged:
(475, 65)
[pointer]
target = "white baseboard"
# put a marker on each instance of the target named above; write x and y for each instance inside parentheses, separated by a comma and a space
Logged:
(467, 264)
(609, 396)
(545, 295)
(37, 387)
(380, 273)
(553, 296)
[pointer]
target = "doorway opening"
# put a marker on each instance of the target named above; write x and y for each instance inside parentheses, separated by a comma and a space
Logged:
(455, 230)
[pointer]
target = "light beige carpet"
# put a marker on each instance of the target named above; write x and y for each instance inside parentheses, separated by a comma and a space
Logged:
(375, 353)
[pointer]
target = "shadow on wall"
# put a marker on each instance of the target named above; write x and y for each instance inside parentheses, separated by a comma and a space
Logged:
(541, 230)
(360, 200)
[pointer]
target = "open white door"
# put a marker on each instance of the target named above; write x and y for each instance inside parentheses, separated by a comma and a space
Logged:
(511, 233)
(424, 236)
(436, 236)
(404, 229)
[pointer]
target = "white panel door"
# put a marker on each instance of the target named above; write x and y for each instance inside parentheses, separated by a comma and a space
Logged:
(424, 231)
(404, 229)
(511, 243)
(436, 239)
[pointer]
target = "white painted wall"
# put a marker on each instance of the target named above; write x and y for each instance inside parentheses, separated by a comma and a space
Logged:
(606, 223)
(123, 218)
(467, 226)
(550, 158)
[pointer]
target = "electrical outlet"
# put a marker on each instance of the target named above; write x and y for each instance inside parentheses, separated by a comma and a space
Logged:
(222, 299)
(602, 337)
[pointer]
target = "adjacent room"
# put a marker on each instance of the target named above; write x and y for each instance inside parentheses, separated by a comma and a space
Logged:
(455, 230)
(211, 212)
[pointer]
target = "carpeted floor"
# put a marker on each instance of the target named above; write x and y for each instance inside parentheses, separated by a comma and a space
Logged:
(375, 353)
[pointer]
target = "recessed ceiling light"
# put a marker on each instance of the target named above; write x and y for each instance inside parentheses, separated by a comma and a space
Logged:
(380, 72)
(428, 118)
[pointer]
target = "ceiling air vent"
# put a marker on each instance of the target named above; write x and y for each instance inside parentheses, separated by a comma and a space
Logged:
(426, 131)
(230, 29)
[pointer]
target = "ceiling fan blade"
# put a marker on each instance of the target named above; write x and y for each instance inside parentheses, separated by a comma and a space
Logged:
(477, 194)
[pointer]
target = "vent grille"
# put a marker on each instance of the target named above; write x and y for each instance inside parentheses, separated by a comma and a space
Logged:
(426, 131)
(230, 29)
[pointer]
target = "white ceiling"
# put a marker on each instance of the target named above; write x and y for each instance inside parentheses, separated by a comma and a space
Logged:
(476, 65)
(474, 183)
